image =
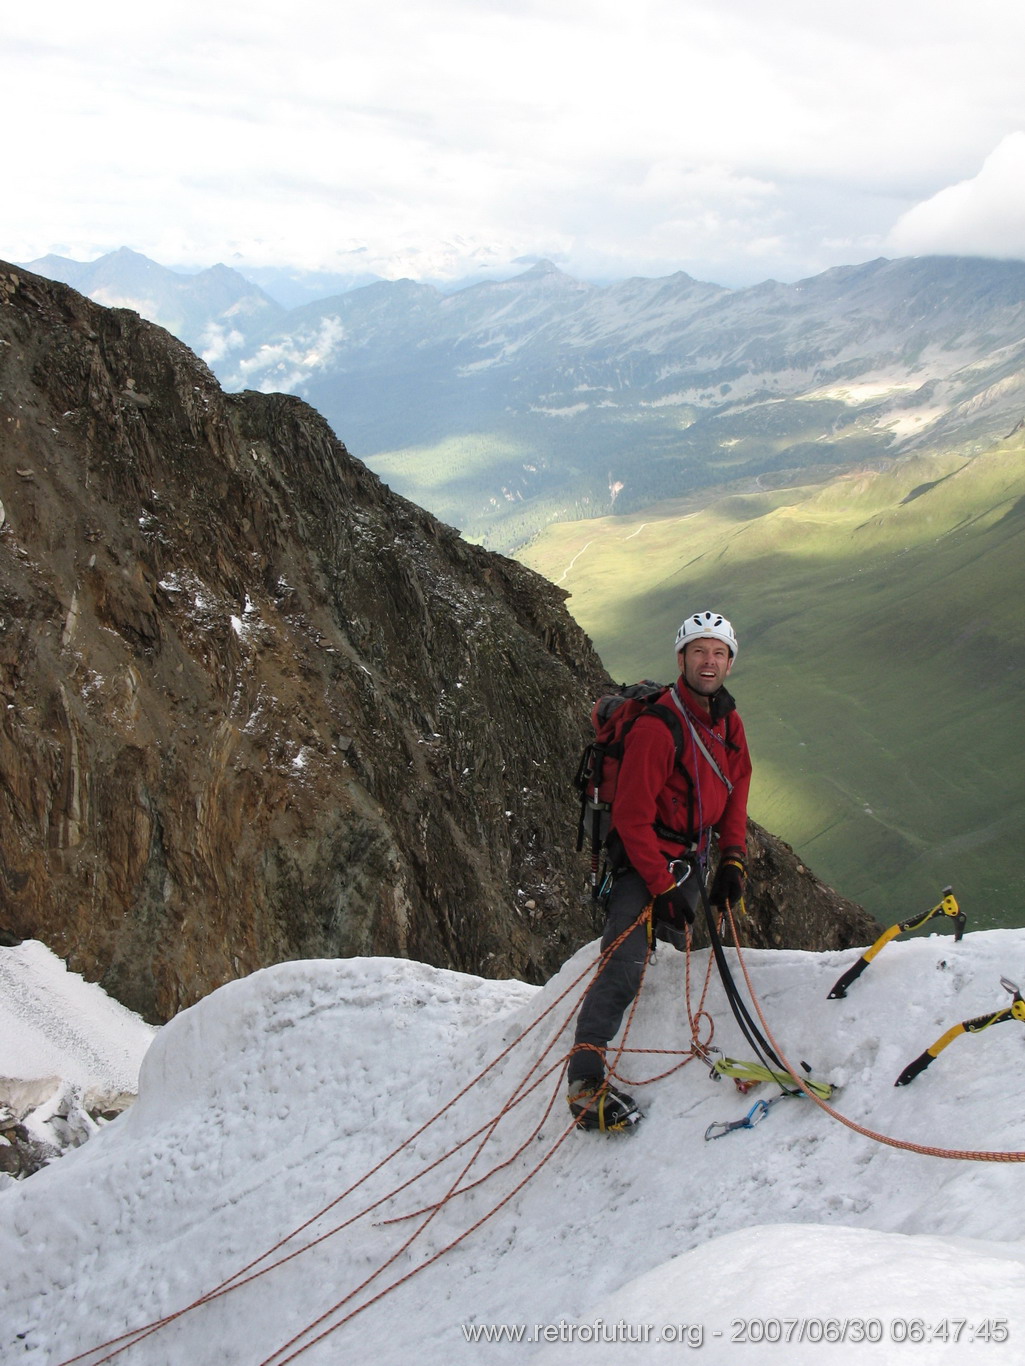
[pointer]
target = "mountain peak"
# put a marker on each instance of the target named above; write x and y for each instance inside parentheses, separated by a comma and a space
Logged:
(548, 270)
(544, 267)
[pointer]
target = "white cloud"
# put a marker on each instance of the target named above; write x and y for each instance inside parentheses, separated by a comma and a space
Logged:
(285, 366)
(737, 138)
(983, 216)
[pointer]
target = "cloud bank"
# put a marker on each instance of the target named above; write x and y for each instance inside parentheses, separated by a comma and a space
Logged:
(735, 141)
(982, 216)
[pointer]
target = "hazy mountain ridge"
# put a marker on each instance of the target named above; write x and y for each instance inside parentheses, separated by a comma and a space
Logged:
(508, 404)
(201, 309)
(649, 390)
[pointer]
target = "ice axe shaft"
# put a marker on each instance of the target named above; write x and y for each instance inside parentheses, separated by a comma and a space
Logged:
(946, 906)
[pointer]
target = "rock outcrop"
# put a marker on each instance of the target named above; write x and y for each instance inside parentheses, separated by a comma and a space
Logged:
(254, 705)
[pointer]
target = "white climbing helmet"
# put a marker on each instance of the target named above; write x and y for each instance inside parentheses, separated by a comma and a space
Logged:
(703, 625)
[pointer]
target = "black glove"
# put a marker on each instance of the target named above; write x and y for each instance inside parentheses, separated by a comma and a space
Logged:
(673, 907)
(729, 880)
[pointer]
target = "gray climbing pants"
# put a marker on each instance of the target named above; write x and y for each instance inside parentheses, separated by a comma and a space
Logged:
(612, 991)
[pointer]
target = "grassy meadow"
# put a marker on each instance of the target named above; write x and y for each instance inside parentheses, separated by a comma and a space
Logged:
(490, 485)
(881, 673)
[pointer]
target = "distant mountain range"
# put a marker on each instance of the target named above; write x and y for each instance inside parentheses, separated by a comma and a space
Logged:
(257, 707)
(507, 405)
(195, 308)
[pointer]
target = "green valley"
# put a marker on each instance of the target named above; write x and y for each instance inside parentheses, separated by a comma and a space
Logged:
(881, 665)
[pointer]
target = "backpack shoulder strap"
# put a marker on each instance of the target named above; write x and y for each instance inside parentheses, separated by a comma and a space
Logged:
(670, 717)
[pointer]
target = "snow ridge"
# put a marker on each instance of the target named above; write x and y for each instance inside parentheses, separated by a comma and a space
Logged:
(265, 1102)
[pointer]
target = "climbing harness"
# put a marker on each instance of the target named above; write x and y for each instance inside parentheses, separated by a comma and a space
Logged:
(947, 906)
(1015, 1011)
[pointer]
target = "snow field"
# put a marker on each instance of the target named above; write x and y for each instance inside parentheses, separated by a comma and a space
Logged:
(263, 1104)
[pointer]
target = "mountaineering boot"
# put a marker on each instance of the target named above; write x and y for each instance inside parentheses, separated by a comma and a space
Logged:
(598, 1105)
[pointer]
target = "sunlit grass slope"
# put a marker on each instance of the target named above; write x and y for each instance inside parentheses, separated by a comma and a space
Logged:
(882, 630)
(491, 485)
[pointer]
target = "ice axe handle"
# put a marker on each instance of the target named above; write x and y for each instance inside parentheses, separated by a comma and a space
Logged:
(839, 988)
(913, 1068)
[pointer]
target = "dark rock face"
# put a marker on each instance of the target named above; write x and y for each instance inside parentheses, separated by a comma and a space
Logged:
(21, 1155)
(789, 907)
(253, 705)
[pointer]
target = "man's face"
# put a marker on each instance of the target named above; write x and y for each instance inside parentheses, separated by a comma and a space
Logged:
(704, 665)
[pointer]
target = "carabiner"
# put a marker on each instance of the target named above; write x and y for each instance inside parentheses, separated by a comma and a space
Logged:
(686, 865)
(757, 1112)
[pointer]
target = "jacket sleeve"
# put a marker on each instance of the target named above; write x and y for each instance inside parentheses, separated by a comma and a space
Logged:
(731, 827)
(648, 760)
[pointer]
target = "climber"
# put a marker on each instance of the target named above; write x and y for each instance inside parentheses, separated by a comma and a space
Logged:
(663, 813)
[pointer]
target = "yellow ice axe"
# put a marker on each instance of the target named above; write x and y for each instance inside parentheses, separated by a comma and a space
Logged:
(1015, 1011)
(948, 907)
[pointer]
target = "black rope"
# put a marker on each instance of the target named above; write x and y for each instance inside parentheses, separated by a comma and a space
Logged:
(766, 1054)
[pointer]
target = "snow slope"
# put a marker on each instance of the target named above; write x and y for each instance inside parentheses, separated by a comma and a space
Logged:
(267, 1102)
(56, 1027)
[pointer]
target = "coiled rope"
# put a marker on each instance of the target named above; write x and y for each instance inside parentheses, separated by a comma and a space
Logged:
(537, 1074)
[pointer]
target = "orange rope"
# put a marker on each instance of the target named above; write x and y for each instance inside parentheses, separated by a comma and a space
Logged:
(507, 1162)
(276, 1359)
(270, 1361)
(699, 1047)
(252, 1270)
(967, 1155)
(239, 1278)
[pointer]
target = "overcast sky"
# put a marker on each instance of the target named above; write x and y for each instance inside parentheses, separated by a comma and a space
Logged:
(734, 139)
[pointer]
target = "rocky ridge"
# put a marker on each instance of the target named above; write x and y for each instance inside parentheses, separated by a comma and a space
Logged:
(255, 706)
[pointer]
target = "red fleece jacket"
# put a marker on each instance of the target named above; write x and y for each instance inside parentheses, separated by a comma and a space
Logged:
(652, 789)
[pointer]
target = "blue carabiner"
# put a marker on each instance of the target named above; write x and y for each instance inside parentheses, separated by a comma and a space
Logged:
(757, 1112)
